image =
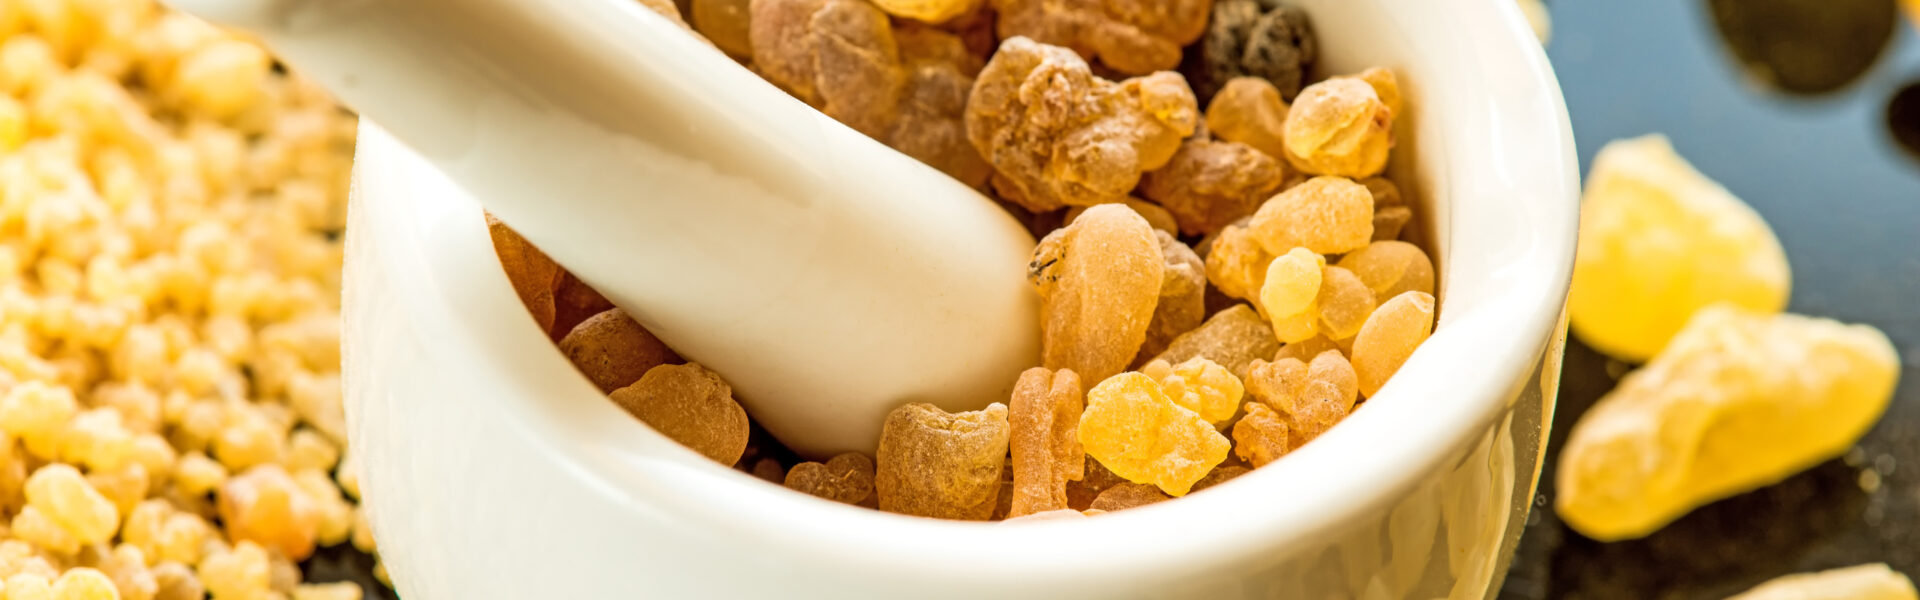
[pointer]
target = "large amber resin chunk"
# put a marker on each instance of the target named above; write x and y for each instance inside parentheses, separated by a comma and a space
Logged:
(1738, 400)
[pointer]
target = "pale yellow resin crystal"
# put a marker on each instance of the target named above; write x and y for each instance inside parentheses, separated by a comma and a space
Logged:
(1658, 241)
(1737, 401)
(1863, 582)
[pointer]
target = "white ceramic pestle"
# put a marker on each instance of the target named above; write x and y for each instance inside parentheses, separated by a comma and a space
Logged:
(826, 276)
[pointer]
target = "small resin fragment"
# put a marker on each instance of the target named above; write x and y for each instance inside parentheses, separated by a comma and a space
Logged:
(1862, 582)
(1199, 385)
(1319, 410)
(265, 506)
(1209, 184)
(1391, 214)
(1237, 263)
(1308, 398)
(1390, 221)
(691, 405)
(856, 62)
(1128, 495)
(906, 86)
(1099, 282)
(1057, 135)
(1219, 475)
(533, 275)
(1328, 215)
(837, 55)
(1306, 349)
(1292, 283)
(1260, 437)
(1044, 419)
(574, 302)
(846, 478)
(82, 583)
(1135, 37)
(58, 492)
(1080, 494)
(1391, 268)
(935, 464)
(175, 581)
(1156, 215)
(928, 11)
(1003, 499)
(768, 469)
(1386, 86)
(1249, 111)
(666, 8)
(1736, 401)
(930, 120)
(1183, 291)
(1385, 192)
(1344, 303)
(725, 23)
(1297, 327)
(1133, 428)
(1332, 368)
(613, 351)
(1389, 336)
(780, 32)
(1234, 338)
(1340, 126)
(975, 30)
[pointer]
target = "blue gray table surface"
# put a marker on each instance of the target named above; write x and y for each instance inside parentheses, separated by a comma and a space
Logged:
(1828, 172)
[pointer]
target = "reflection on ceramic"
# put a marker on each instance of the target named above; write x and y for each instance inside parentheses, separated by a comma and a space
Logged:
(493, 470)
(1452, 536)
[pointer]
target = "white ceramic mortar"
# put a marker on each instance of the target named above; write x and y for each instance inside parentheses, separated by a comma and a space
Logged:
(492, 469)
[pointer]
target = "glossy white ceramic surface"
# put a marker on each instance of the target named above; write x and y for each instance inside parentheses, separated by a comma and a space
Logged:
(743, 227)
(493, 470)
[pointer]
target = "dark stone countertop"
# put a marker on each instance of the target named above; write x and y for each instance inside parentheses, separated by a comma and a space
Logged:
(1828, 172)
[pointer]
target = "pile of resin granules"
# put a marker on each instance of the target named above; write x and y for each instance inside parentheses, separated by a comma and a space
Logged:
(1219, 287)
(170, 214)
